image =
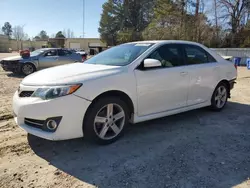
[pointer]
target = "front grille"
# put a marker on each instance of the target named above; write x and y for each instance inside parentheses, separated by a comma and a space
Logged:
(10, 63)
(26, 93)
(13, 66)
(34, 123)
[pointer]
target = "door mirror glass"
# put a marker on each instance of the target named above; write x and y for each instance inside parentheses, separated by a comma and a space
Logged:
(150, 63)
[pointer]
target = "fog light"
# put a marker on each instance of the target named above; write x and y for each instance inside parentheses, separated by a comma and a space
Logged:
(51, 124)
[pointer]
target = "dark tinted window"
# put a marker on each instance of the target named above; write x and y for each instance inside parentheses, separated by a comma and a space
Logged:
(64, 52)
(196, 55)
(210, 58)
(50, 53)
(169, 55)
(68, 52)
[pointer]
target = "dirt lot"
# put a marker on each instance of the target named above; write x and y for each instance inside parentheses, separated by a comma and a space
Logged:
(194, 149)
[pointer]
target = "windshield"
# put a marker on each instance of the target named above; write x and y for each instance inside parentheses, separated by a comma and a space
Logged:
(120, 55)
(36, 52)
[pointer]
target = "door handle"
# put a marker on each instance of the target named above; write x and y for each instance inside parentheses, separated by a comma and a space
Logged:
(183, 73)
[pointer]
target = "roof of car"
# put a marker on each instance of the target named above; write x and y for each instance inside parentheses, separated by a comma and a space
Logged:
(47, 48)
(218, 57)
(54, 48)
(167, 41)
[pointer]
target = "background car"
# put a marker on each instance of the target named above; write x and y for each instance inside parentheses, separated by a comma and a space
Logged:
(40, 59)
(83, 54)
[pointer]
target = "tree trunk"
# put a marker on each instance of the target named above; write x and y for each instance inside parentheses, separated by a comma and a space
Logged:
(216, 23)
(182, 20)
(197, 7)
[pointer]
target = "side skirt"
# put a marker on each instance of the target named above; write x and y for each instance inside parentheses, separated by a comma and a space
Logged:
(137, 119)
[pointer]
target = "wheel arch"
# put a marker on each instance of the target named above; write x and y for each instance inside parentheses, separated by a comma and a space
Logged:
(30, 62)
(226, 82)
(115, 93)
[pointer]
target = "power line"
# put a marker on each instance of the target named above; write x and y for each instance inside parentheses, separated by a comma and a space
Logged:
(83, 17)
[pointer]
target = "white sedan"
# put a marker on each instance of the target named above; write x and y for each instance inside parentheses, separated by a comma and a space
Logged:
(132, 82)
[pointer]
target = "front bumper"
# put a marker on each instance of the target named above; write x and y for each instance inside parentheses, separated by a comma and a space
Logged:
(13, 66)
(71, 108)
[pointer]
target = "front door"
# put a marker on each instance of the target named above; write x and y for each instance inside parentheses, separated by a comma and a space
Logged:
(163, 88)
(48, 59)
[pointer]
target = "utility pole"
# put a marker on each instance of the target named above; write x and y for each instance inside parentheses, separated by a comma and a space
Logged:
(83, 17)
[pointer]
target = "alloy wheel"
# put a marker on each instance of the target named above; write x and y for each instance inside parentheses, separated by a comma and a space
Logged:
(27, 69)
(109, 121)
(221, 96)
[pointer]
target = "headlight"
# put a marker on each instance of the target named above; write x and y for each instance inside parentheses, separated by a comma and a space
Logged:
(54, 92)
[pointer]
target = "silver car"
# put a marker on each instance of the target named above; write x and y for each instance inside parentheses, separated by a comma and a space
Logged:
(40, 59)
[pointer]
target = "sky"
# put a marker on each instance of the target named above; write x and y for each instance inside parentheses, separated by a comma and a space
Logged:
(53, 16)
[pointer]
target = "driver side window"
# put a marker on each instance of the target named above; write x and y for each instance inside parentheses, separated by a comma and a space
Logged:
(50, 53)
(169, 55)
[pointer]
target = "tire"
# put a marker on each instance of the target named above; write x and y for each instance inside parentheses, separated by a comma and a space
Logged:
(27, 69)
(219, 97)
(100, 129)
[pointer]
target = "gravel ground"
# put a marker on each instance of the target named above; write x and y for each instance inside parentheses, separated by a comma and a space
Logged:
(193, 149)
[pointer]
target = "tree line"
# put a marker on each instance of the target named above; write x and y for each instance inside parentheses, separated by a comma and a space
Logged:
(17, 32)
(215, 23)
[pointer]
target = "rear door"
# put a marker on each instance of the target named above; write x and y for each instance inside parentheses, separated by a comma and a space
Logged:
(65, 57)
(204, 74)
(48, 59)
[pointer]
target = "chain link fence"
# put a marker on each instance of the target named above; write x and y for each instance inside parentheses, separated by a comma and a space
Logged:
(243, 53)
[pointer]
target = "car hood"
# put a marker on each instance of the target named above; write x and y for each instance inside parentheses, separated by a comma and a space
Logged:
(18, 58)
(13, 58)
(69, 74)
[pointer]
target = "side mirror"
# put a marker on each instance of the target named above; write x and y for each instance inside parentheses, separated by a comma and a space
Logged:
(151, 63)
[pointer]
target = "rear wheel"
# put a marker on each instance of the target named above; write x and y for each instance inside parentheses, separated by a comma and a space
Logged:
(106, 120)
(28, 68)
(219, 98)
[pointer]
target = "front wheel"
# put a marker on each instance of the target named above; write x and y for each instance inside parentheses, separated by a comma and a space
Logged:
(106, 120)
(28, 68)
(219, 98)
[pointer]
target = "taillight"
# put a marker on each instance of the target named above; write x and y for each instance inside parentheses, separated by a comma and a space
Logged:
(235, 66)
(83, 58)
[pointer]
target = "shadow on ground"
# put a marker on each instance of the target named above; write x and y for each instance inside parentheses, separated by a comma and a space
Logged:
(15, 75)
(193, 149)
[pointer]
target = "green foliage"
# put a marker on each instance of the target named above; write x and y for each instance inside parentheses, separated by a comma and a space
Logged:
(172, 21)
(133, 20)
(37, 38)
(49, 45)
(124, 20)
(245, 36)
(110, 21)
(60, 35)
(7, 29)
(43, 35)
